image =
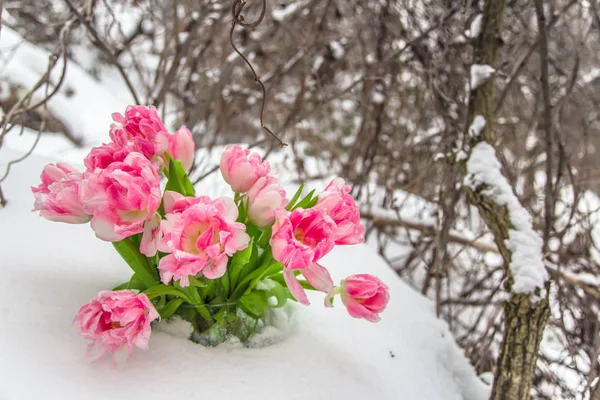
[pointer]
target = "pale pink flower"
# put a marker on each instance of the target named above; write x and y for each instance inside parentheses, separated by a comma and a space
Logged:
(121, 197)
(337, 202)
(102, 156)
(140, 130)
(364, 296)
(299, 240)
(58, 198)
(151, 236)
(241, 169)
(181, 147)
(199, 238)
(115, 322)
(263, 198)
(53, 173)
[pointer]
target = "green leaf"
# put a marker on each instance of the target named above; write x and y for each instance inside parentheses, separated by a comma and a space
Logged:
(224, 281)
(178, 181)
(275, 289)
(272, 269)
(254, 303)
(133, 284)
(238, 261)
(294, 199)
(192, 294)
(253, 231)
(170, 308)
(137, 262)
(196, 282)
(304, 203)
(242, 212)
(263, 241)
(164, 290)
(306, 285)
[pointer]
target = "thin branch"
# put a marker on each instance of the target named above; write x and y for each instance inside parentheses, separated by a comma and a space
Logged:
(547, 119)
(238, 19)
(98, 41)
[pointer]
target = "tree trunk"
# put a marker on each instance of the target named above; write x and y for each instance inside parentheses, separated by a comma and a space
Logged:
(524, 319)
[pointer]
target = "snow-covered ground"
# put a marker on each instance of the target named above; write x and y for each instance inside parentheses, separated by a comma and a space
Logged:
(49, 270)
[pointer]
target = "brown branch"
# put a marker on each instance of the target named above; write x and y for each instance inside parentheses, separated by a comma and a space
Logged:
(238, 19)
(100, 43)
(547, 119)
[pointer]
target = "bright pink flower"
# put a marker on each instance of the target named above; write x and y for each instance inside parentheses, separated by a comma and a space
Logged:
(121, 197)
(337, 202)
(116, 320)
(104, 155)
(140, 130)
(301, 237)
(299, 240)
(263, 198)
(181, 147)
(57, 197)
(241, 169)
(199, 238)
(364, 296)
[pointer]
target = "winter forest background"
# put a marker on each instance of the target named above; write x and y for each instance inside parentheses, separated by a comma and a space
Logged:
(380, 92)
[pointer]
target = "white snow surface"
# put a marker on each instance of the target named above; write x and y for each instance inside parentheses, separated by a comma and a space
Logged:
(480, 73)
(526, 266)
(50, 269)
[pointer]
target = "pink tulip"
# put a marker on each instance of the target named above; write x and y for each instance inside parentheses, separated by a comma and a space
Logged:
(337, 202)
(299, 240)
(140, 130)
(241, 169)
(102, 156)
(263, 198)
(181, 147)
(53, 173)
(121, 197)
(116, 321)
(199, 238)
(364, 296)
(57, 198)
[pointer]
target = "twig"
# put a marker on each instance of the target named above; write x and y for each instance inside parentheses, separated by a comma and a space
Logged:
(104, 48)
(238, 19)
(547, 118)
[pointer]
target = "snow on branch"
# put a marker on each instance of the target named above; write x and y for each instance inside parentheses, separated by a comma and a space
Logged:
(480, 73)
(280, 14)
(475, 28)
(526, 266)
(477, 126)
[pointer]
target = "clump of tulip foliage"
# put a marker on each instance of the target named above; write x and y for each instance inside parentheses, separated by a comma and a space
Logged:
(220, 264)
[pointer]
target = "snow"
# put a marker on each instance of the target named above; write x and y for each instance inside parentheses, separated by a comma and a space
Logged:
(526, 266)
(480, 73)
(337, 51)
(377, 98)
(49, 270)
(82, 104)
(475, 28)
(477, 126)
(280, 14)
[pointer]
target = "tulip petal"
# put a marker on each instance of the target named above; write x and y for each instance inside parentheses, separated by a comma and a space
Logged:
(150, 236)
(318, 277)
(295, 288)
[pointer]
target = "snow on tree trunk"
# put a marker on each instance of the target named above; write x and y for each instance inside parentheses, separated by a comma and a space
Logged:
(527, 310)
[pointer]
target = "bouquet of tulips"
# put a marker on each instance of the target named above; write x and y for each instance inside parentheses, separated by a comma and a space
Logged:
(220, 264)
